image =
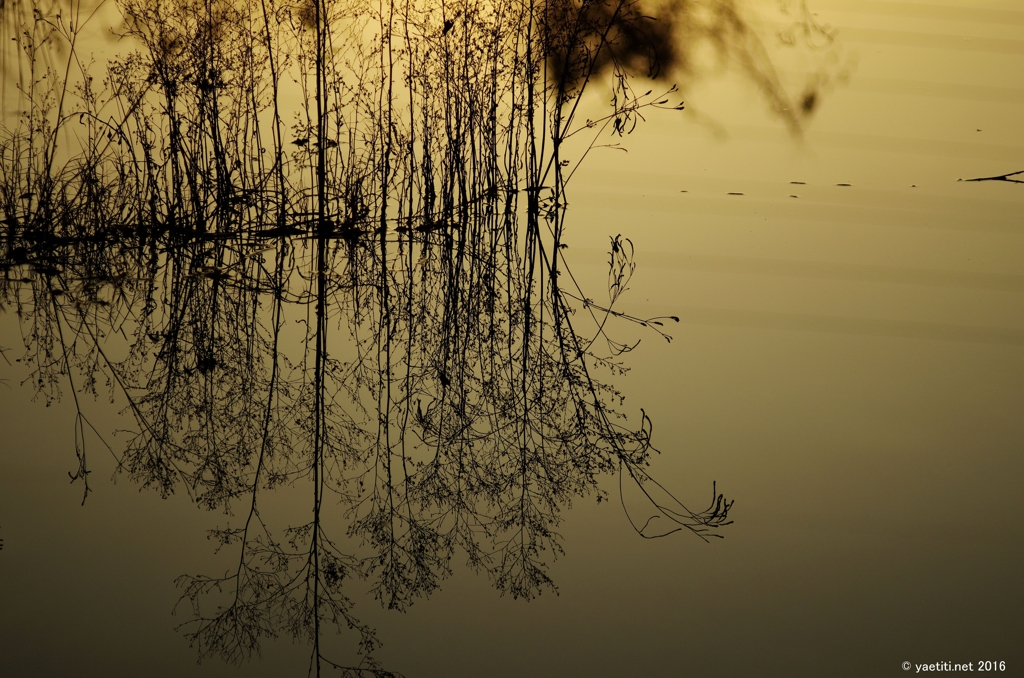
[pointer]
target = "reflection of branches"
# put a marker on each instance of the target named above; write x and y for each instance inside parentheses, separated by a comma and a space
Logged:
(462, 415)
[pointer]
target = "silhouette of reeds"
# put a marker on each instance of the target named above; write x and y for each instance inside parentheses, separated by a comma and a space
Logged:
(333, 234)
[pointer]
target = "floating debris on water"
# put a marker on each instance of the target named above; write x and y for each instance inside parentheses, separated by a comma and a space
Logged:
(735, 194)
(798, 183)
(844, 184)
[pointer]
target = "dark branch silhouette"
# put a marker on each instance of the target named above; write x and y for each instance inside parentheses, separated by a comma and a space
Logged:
(333, 236)
(1001, 177)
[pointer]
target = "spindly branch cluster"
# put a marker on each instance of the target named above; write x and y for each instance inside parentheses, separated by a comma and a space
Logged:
(332, 234)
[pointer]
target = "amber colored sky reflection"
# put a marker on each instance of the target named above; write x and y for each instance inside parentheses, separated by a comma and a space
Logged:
(849, 367)
(851, 359)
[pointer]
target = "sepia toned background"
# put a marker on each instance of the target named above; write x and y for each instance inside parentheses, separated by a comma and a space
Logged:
(849, 367)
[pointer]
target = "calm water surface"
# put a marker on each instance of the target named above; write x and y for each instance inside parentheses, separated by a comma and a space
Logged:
(849, 366)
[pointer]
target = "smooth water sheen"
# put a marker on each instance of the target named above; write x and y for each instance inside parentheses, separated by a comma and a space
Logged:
(849, 367)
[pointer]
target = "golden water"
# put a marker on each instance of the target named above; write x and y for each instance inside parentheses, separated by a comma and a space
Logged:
(849, 367)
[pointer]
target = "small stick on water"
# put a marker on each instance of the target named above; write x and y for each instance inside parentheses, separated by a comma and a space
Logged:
(1001, 177)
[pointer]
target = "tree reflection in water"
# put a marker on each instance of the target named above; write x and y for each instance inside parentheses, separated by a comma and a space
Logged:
(333, 235)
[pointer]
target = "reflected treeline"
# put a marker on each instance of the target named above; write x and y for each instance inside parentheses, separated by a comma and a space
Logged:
(438, 404)
(320, 247)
